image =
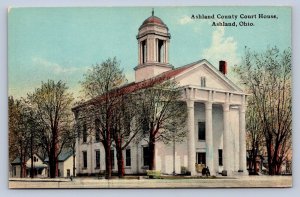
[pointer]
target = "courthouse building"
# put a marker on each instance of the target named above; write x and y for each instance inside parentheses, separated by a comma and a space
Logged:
(216, 116)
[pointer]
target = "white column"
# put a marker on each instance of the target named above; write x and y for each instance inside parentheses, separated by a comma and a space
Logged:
(191, 137)
(226, 140)
(167, 51)
(139, 52)
(242, 141)
(209, 137)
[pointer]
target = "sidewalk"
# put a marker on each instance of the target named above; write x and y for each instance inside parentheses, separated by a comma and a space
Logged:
(91, 182)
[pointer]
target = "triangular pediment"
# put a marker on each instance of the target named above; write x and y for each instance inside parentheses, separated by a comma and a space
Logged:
(214, 79)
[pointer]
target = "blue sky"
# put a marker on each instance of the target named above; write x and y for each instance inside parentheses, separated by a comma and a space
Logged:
(62, 43)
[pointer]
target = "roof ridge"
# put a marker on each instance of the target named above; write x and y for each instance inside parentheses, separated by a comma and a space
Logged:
(143, 84)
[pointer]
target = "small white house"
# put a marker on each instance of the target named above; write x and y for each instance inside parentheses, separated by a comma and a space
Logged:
(65, 164)
(39, 168)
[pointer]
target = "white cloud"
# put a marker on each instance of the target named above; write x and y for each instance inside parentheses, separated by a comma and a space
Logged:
(54, 67)
(185, 20)
(222, 48)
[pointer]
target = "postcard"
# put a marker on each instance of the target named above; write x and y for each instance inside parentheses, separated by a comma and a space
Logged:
(150, 97)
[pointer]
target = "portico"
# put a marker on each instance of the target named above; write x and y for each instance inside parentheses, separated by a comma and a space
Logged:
(229, 103)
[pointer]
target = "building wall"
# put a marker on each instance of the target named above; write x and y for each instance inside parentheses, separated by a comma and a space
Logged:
(65, 166)
(16, 171)
(147, 72)
(165, 155)
(165, 152)
(61, 169)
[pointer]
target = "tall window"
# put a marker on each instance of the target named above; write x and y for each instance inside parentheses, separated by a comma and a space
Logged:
(220, 157)
(84, 156)
(112, 158)
(201, 158)
(201, 130)
(146, 155)
(144, 51)
(97, 159)
(203, 82)
(161, 52)
(84, 134)
(128, 157)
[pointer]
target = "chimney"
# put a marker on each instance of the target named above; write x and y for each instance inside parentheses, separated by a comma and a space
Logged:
(223, 67)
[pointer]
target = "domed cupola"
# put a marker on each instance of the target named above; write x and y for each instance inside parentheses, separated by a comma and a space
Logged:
(153, 40)
(153, 20)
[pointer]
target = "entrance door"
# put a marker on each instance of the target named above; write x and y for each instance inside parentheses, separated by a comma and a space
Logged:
(201, 158)
(201, 161)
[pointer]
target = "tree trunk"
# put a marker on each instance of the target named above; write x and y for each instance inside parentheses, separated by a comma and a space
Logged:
(31, 166)
(23, 166)
(151, 152)
(53, 157)
(120, 158)
(31, 155)
(52, 166)
(254, 153)
(53, 163)
(270, 160)
(107, 162)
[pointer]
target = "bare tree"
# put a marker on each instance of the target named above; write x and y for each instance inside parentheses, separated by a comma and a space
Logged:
(255, 137)
(19, 141)
(161, 113)
(99, 86)
(52, 103)
(267, 75)
(124, 128)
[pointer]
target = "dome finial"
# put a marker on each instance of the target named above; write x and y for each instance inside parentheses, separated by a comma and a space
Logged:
(152, 11)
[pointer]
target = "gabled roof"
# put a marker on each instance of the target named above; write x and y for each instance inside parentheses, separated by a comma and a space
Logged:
(16, 161)
(63, 156)
(132, 87)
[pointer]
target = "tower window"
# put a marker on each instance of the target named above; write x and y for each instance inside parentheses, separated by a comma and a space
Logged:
(161, 52)
(144, 51)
